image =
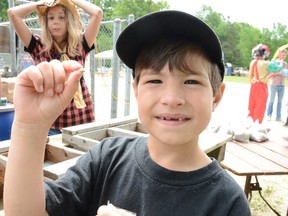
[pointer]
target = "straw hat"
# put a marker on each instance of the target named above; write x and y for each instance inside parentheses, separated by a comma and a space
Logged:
(41, 9)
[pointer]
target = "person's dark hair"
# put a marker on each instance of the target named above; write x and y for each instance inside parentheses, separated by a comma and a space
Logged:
(259, 52)
(156, 55)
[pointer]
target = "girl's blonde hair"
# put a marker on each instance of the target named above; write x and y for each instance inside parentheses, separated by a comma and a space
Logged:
(74, 30)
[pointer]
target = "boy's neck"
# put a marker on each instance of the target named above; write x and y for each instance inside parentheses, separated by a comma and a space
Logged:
(178, 158)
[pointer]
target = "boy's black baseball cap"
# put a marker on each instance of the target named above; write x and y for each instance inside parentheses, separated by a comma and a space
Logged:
(170, 23)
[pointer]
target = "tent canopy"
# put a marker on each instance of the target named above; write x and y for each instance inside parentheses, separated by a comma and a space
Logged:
(108, 54)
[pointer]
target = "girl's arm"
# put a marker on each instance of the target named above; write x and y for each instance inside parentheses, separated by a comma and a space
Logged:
(16, 16)
(41, 93)
(96, 15)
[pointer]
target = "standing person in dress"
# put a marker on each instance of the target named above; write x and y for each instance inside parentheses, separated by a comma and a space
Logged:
(277, 83)
(178, 75)
(62, 38)
(258, 76)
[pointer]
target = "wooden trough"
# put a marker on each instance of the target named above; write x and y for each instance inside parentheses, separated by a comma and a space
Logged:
(4, 39)
(85, 136)
(58, 158)
(62, 151)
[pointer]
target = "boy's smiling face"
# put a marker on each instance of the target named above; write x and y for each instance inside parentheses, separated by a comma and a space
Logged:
(175, 107)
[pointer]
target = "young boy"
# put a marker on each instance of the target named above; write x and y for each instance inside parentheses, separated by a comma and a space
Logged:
(178, 72)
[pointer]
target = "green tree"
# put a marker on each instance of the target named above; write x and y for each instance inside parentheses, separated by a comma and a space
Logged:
(113, 9)
(3, 11)
(107, 7)
(238, 39)
(277, 37)
(137, 7)
(225, 30)
(249, 37)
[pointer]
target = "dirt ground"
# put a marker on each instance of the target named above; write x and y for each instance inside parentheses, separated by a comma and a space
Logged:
(274, 191)
(274, 188)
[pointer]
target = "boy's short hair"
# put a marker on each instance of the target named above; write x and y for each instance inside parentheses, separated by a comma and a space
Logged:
(171, 24)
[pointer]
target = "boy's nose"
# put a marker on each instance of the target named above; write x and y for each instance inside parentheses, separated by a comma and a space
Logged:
(172, 96)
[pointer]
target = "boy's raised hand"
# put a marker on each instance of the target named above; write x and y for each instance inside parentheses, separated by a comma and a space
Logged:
(42, 92)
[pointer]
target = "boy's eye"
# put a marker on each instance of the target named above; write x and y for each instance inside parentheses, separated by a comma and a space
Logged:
(191, 82)
(155, 81)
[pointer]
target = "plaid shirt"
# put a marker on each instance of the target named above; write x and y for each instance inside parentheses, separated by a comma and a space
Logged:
(71, 115)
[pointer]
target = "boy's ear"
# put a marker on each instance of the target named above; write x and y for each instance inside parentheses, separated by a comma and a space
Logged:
(218, 96)
(135, 89)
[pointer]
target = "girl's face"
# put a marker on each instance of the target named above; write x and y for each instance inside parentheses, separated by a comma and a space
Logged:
(57, 22)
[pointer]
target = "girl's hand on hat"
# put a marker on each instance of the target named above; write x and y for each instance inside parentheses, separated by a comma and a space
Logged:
(48, 3)
(42, 92)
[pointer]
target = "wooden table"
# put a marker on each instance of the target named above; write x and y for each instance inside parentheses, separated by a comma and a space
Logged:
(214, 144)
(254, 159)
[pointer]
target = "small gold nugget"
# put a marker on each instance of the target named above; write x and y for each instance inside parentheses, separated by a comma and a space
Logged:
(82, 70)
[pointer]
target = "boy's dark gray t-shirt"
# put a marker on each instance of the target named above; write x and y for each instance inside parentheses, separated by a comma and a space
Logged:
(120, 170)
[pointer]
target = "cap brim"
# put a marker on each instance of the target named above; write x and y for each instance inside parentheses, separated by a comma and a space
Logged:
(172, 24)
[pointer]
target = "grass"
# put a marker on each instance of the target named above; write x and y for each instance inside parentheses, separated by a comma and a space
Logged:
(238, 79)
(259, 207)
(243, 79)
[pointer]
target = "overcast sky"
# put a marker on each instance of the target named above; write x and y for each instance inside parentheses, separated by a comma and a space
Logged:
(258, 13)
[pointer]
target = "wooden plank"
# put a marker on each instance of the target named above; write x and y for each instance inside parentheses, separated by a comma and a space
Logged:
(3, 162)
(95, 135)
(278, 145)
(123, 120)
(122, 132)
(56, 171)
(218, 154)
(131, 126)
(4, 146)
(79, 129)
(140, 128)
(82, 143)
(134, 126)
(57, 153)
(56, 140)
(4, 39)
(238, 166)
(242, 161)
(84, 128)
(209, 141)
(264, 152)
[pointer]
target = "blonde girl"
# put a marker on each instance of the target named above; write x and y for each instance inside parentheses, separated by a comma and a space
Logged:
(62, 37)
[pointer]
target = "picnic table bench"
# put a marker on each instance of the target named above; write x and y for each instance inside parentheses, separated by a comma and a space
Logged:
(255, 159)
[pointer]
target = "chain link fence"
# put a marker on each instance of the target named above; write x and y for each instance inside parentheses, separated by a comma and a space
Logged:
(103, 66)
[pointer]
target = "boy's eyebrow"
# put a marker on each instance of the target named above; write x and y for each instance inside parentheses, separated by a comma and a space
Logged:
(149, 72)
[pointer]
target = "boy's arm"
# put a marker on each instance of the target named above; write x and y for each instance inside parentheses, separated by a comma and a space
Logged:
(41, 93)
